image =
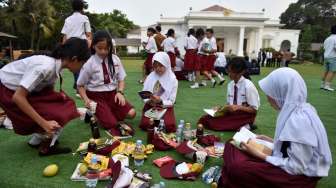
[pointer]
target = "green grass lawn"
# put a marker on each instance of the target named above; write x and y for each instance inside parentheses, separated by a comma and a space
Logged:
(22, 167)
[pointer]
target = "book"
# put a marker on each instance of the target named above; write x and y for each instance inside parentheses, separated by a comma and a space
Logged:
(76, 175)
(155, 113)
(248, 137)
(216, 112)
(145, 94)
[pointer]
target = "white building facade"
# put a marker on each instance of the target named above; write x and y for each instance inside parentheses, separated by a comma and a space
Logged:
(241, 32)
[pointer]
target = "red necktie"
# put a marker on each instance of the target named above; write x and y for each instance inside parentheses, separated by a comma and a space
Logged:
(106, 74)
(235, 94)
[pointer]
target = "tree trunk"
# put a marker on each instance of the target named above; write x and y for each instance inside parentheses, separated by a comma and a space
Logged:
(32, 39)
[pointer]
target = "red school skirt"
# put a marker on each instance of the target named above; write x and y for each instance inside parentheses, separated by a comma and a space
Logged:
(108, 112)
(148, 63)
(47, 103)
(229, 122)
(190, 60)
(210, 62)
(242, 170)
(172, 58)
(169, 119)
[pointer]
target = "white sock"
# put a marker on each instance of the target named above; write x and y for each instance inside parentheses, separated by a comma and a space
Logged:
(220, 77)
(322, 83)
(36, 139)
(327, 84)
(213, 80)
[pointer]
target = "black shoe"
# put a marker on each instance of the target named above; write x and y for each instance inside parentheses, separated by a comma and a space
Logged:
(214, 84)
(38, 145)
(221, 82)
(87, 117)
(54, 150)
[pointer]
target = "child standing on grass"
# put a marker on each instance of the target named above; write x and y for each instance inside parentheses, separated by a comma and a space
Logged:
(28, 97)
(301, 153)
(242, 100)
(151, 49)
(77, 25)
(163, 84)
(220, 63)
(102, 80)
(169, 46)
(191, 54)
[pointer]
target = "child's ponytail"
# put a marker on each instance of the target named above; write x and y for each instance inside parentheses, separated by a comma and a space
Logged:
(73, 47)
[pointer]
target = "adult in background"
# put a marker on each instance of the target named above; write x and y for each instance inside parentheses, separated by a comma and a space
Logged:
(159, 38)
(77, 25)
(329, 60)
(286, 57)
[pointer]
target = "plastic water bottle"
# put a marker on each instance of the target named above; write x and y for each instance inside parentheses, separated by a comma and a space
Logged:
(138, 154)
(159, 185)
(209, 175)
(162, 184)
(179, 132)
(92, 174)
(162, 126)
(187, 132)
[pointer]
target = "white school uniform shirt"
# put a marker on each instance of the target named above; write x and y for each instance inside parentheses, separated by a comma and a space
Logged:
(269, 55)
(32, 73)
(220, 60)
(151, 45)
(213, 43)
(92, 77)
(298, 123)
(169, 45)
(168, 81)
(76, 25)
(330, 47)
(247, 93)
(191, 42)
(204, 42)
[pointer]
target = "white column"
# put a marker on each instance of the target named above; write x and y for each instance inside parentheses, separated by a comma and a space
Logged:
(259, 38)
(241, 41)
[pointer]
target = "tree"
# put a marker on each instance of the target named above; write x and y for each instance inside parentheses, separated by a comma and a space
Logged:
(319, 14)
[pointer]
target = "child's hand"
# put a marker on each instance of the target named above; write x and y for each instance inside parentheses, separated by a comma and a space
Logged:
(51, 126)
(87, 103)
(233, 108)
(264, 137)
(252, 151)
(120, 99)
(155, 99)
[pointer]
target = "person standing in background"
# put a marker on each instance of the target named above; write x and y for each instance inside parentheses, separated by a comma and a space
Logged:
(77, 25)
(159, 38)
(329, 60)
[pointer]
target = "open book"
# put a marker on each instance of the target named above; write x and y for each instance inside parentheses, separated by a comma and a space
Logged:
(216, 112)
(145, 94)
(156, 114)
(246, 136)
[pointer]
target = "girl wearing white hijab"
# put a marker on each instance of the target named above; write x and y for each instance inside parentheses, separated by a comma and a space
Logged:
(301, 154)
(163, 84)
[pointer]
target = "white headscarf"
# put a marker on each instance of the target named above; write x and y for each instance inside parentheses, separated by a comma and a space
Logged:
(168, 80)
(298, 120)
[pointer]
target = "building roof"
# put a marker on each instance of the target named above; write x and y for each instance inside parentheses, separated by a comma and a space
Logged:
(7, 35)
(127, 42)
(217, 8)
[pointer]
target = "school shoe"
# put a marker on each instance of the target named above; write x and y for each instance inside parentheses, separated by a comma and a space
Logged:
(328, 88)
(203, 83)
(46, 150)
(194, 86)
(221, 82)
(214, 83)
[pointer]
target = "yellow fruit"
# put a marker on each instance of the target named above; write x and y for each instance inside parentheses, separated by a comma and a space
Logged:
(50, 170)
(83, 169)
(196, 167)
